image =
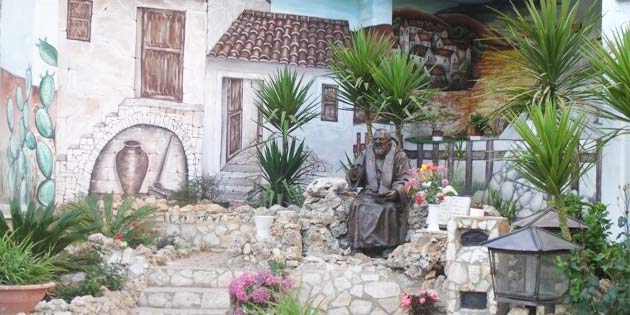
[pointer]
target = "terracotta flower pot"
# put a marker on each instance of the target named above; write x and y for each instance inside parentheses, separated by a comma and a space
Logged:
(16, 299)
(131, 165)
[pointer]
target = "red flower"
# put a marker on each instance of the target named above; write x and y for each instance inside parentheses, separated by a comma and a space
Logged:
(142, 228)
(135, 234)
(134, 224)
(118, 236)
(419, 199)
(440, 197)
(152, 231)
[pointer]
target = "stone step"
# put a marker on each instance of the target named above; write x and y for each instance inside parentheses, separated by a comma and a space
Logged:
(249, 180)
(198, 276)
(172, 311)
(185, 298)
(241, 168)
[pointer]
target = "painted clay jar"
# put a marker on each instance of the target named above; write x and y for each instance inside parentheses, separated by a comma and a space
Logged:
(131, 165)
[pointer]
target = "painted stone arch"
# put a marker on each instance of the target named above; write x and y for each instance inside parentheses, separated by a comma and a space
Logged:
(185, 122)
(166, 160)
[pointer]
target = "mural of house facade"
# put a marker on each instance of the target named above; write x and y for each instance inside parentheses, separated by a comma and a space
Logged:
(165, 90)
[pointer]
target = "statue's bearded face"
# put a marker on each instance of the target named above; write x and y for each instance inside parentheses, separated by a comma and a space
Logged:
(381, 143)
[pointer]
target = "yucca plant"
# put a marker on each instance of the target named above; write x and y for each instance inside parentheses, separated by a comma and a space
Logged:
(351, 67)
(289, 305)
(613, 60)
(284, 103)
(548, 157)
(403, 89)
(549, 41)
(282, 166)
(49, 232)
(120, 223)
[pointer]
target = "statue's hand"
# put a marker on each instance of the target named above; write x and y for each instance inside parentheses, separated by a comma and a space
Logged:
(391, 195)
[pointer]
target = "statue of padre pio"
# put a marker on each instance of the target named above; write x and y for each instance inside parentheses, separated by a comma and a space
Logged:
(378, 215)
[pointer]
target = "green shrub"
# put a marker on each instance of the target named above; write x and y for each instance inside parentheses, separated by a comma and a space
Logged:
(197, 189)
(109, 276)
(49, 232)
(124, 223)
(289, 305)
(19, 266)
(599, 261)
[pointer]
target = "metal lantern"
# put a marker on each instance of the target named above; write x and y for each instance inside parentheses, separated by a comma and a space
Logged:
(524, 266)
(548, 219)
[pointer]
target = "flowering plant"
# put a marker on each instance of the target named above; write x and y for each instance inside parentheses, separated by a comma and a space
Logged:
(253, 291)
(137, 234)
(429, 183)
(421, 304)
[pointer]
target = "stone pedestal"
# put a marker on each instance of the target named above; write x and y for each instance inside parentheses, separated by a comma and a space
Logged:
(469, 280)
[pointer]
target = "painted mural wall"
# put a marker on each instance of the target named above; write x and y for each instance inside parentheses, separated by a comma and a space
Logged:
(451, 38)
(28, 63)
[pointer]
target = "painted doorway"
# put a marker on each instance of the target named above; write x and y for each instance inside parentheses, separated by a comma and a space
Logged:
(242, 131)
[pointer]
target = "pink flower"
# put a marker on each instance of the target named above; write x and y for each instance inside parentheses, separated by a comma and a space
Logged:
(238, 311)
(405, 300)
(422, 301)
(441, 169)
(423, 292)
(445, 182)
(261, 295)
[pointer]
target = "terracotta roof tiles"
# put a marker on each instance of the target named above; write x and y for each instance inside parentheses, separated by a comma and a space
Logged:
(281, 38)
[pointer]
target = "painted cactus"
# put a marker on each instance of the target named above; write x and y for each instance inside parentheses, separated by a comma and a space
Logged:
(22, 140)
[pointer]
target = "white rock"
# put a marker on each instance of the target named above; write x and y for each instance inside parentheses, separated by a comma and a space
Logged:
(379, 290)
(342, 300)
(360, 307)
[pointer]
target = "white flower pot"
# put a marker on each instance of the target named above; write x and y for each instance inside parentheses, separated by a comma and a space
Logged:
(263, 226)
(433, 217)
(476, 212)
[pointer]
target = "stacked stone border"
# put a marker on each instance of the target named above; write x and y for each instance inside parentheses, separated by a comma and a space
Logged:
(184, 120)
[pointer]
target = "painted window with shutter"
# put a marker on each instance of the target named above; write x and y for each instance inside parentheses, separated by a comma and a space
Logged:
(162, 50)
(329, 103)
(79, 24)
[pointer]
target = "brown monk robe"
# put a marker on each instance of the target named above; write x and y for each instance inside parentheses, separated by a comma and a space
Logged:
(378, 215)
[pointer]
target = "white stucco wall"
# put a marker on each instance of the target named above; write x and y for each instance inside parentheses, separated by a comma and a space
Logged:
(616, 14)
(99, 74)
(222, 13)
(329, 140)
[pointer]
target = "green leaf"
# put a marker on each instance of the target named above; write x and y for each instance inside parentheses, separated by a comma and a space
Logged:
(10, 113)
(24, 191)
(44, 124)
(14, 146)
(28, 82)
(47, 90)
(47, 52)
(46, 192)
(23, 130)
(30, 141)
(19, 99)
(44, 159)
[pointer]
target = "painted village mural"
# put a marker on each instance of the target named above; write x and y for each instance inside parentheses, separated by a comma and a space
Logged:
(117, 106)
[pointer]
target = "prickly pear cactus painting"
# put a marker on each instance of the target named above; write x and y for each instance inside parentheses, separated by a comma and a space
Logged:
(30, 146)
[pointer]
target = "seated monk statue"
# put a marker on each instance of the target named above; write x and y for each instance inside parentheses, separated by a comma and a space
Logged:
(378, 215)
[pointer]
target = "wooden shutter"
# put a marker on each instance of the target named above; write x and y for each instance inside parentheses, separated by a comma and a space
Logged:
(79, 24)
(162, 54)
(329, 103)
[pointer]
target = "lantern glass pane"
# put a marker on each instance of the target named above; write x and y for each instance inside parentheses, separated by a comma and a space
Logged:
(515, 274)
(553, 282)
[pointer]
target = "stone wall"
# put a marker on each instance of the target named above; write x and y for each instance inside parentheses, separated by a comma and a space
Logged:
(468, 265)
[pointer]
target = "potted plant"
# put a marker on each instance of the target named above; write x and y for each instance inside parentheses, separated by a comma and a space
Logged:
(424, 303)
(263, 219)
(479, 124)
(24, 278)
(435, 116)
(256, 293)
(429, 184)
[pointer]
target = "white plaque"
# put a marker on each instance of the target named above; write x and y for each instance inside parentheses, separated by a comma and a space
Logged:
(453, 206)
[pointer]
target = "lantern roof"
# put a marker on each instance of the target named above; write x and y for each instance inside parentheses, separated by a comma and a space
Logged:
(549, 219)
(530, 239)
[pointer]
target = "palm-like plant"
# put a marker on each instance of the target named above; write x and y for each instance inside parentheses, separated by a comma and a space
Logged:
(282, 170)
(49, 232)
(284, 103)
(549, 42)
(614, 64)
(403, 88)
(351, 67)
(108, 221)
(549, 156)
(285, 106)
